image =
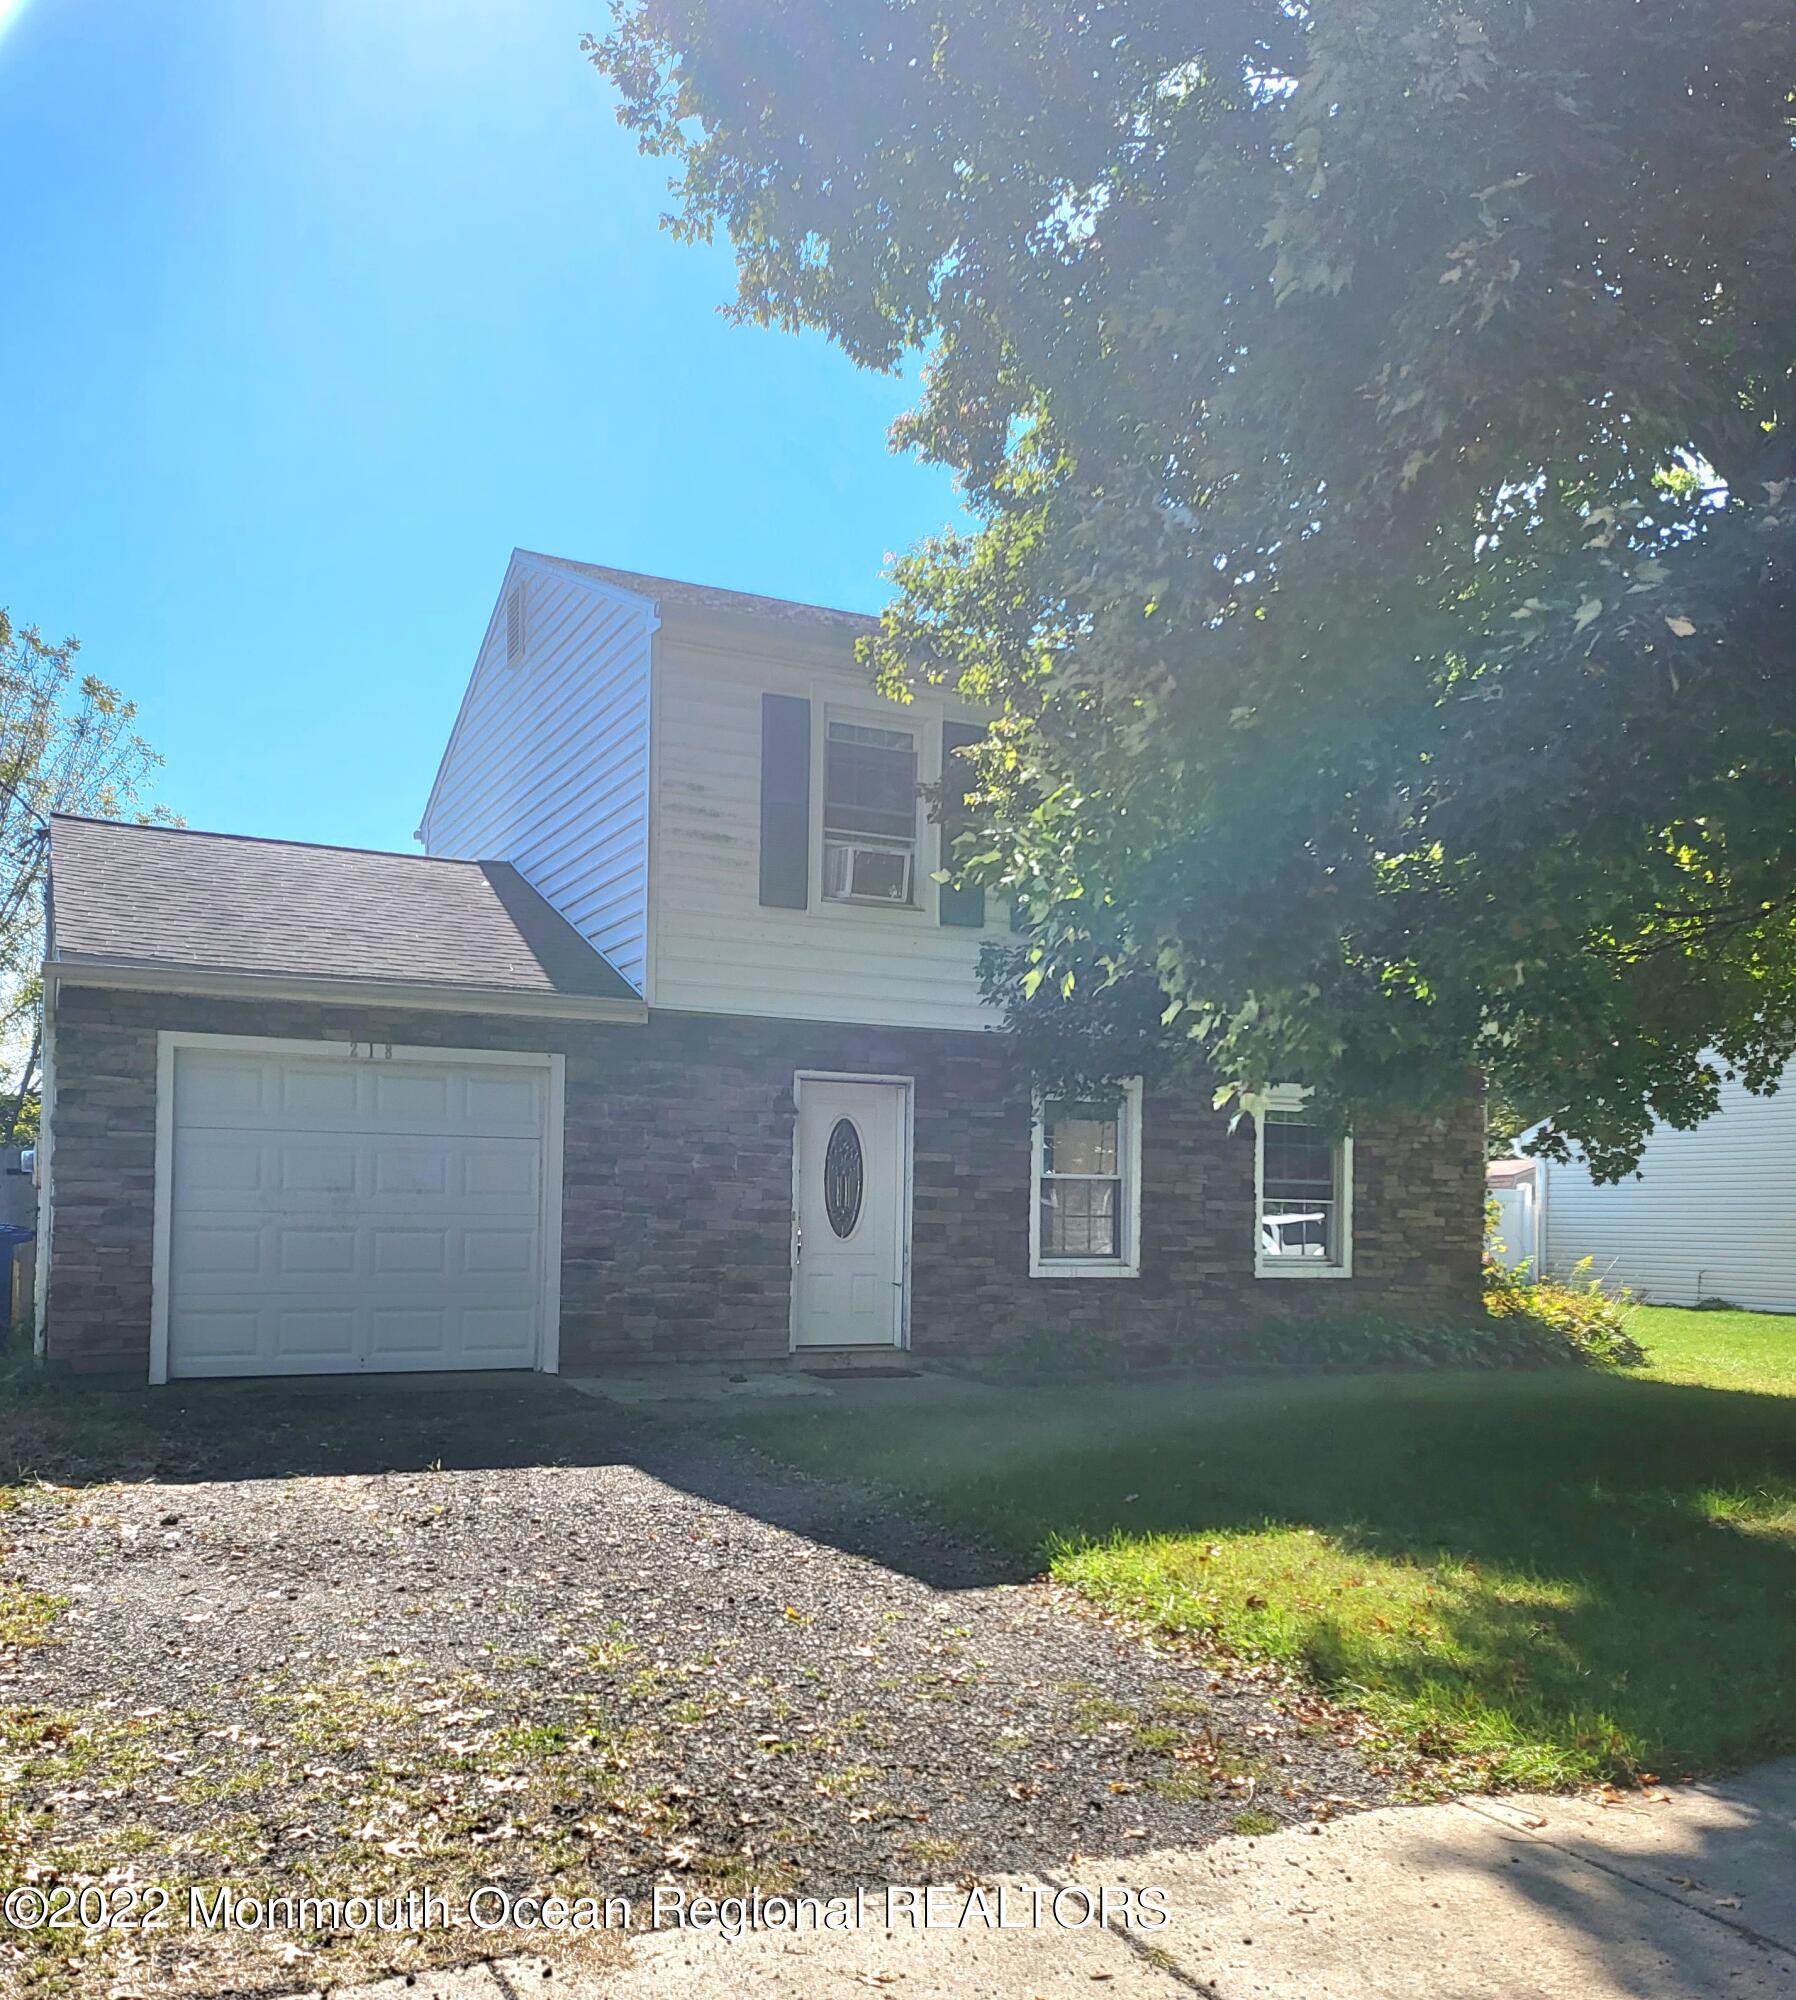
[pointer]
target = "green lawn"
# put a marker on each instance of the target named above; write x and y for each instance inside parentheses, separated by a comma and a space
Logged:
(1720, 1350)
(1527, 1579)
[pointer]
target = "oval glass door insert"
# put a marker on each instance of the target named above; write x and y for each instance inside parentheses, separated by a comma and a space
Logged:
(843, 1176)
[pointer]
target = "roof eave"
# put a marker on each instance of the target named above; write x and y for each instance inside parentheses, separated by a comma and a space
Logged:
(148, 976)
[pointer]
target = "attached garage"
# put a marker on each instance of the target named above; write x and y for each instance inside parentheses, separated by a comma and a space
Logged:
(304, 1107)
(380, 1211)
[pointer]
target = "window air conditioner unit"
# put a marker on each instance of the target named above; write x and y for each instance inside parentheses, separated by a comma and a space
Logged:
(866, 872)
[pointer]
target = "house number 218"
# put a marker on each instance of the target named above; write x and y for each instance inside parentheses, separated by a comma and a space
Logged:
(371, 1051)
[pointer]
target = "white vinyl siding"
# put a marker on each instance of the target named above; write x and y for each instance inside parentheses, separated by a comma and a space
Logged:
(548, 766)
(717, 949)
(1712, 1215)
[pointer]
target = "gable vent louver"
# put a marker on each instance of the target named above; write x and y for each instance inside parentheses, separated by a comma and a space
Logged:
(515, 635)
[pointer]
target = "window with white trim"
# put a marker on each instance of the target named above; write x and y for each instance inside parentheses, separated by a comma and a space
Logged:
(1303, 1194)
(1085, 1199)
(869, 814)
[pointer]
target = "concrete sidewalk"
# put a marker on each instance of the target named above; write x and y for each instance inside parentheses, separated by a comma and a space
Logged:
(1660, 1897)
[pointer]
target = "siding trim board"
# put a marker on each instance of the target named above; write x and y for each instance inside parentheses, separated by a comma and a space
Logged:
(350, 992)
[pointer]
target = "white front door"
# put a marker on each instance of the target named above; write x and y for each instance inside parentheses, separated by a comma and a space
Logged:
(852, 1234)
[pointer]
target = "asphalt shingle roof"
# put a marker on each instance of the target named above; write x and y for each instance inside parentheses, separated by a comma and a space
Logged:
(710, 598)
(152, 895)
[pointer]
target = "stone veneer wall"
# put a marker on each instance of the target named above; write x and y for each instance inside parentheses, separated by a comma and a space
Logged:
(678, 1178)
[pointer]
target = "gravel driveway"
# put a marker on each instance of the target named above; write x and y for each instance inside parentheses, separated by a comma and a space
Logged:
(374, 1638)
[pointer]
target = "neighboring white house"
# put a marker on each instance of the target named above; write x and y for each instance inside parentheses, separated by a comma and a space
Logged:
(1710, 1215)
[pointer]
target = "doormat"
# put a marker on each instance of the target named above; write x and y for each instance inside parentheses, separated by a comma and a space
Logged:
(863, 1374)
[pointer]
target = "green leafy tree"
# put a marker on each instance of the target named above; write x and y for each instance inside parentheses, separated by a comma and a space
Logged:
(1376, 423)
(1506, 1119)
(67, 744)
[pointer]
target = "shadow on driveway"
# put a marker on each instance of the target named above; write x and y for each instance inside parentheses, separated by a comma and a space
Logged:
(71, 1434)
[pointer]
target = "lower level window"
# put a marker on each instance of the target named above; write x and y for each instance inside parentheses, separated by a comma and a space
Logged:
(1086, 1218)
(1304, 1194)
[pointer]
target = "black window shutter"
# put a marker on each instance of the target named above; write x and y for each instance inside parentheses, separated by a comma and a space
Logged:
(785, 801)
(962, 906)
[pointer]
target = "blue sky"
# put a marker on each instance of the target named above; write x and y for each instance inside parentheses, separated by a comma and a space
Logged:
(314, 312)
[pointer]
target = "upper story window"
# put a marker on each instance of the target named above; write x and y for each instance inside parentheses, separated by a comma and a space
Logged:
(1086, 1209)
(1303, 1184)
(869, 814)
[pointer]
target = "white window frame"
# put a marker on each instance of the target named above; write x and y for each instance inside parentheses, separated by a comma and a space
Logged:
(1290, 1097)
(921, 735)
(1128, 1156)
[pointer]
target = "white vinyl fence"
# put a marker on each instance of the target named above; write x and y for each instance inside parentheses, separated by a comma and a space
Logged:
(1518, 1225)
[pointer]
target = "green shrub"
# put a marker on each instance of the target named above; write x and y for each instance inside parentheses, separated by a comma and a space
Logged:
(1525, 1323)
(1581, 1314)
(1511, 1334)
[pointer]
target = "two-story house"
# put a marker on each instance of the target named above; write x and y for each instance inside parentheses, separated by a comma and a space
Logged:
(669, 1047)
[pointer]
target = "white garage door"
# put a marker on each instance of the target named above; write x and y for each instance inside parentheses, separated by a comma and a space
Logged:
(336, 1216)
